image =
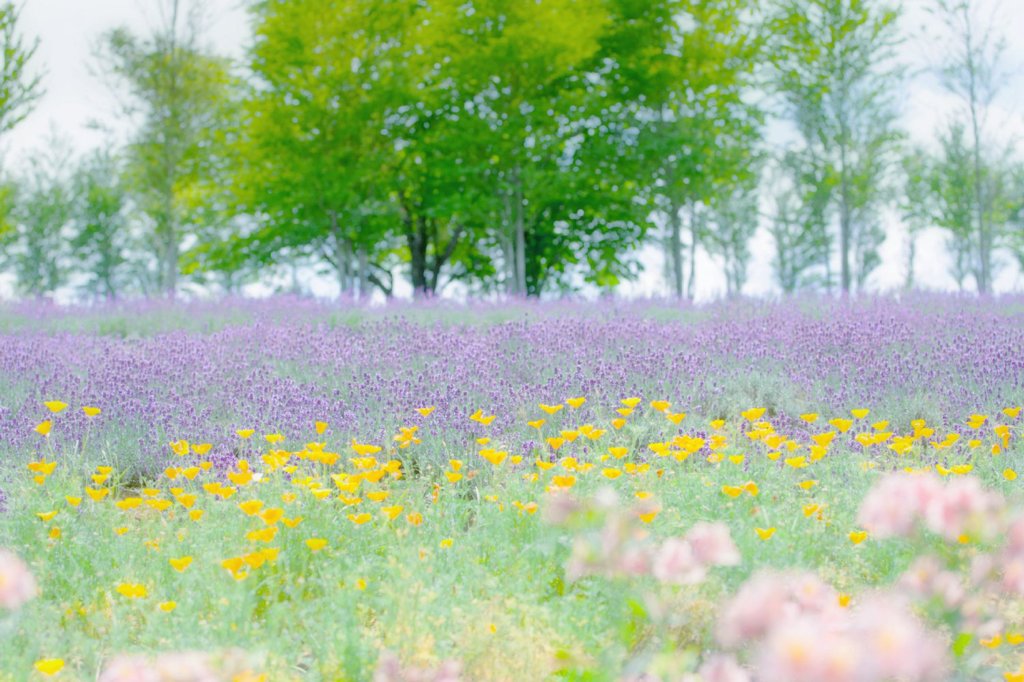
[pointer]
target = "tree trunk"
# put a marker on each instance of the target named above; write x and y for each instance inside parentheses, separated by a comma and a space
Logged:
(675, 246)
(520, 236)
(691, 280)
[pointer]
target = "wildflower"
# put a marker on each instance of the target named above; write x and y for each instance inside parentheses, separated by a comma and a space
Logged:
(858, 536)
(49, 666)
(359, 519)
(91, 411)
(426, 411)
(316, 544)
(765, 533)
(55, 406)
(132, 590)
(181, 563)
(44, 428)
(576, 403)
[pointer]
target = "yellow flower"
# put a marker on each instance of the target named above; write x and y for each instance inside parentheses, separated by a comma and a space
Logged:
(537, 423)
(55, 406)
(858, 536)
(181, 563)
(647, 517)
(732, 490)
(54, 533)
(1009, 474)
(446, 543)
(575, 403)
(811, 509)
(624, 411)
(49, 666)
(808, 484)
(751, 488)
(660, 405)
(91, 411)
(992, 642)
(425, 411)
(495, 457)
(630, 402)
(550, 409)
(44, 428)
(414, 519)
(320, 427)
(245, 433)
(860, 413)
(274, 438)
(359, 519)
(618, 423)
(563, 481)
(453, 476)
(393, 511)
(555, 443)
(618, 452)
(796, 462)
(843, 599)
(765, 533)
(316, 544)
(167, 606)
(675, 417)
(1011, 412)
(361, 584)
(611, 473)
(46, 516)
(810, 417)
(73, 501)
(841, 425)
(251, 507)
(753, 414)
(132, 590)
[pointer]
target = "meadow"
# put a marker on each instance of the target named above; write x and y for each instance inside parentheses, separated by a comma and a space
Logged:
(810, 489)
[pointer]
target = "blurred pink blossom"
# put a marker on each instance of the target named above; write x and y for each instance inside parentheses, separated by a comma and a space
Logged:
(17, 585)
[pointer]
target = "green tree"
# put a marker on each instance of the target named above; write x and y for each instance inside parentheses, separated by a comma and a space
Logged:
(101, 240)
(693, 73)
(19, 89)
(315, 165)
(178, 92)
(734, 217)
(833, 68)
(972, 70)
(803, 187)
(40, 221)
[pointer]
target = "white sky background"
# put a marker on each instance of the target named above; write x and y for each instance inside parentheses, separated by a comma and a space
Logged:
(68, 31)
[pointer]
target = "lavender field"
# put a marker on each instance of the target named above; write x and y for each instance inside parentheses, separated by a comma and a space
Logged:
(812, 489)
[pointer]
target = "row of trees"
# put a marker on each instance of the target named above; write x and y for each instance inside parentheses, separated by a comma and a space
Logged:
(515, 147)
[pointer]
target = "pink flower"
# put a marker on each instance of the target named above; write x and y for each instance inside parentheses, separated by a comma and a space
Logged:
(768, 599)
(712, 544)
(677, 564)
(893, 506)
(17, 586)
(963, 504)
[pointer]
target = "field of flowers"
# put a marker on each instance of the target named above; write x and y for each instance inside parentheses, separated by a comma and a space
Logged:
(808, 490)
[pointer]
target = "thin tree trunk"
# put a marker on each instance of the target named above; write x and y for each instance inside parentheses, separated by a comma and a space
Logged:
(675, 246)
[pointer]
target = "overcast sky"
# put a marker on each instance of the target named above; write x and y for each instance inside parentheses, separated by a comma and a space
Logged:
(68, 31)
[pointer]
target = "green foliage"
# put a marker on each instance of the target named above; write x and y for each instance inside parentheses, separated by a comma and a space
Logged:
(19, 89)
(833, 67)
(179, 93)
(100, 242)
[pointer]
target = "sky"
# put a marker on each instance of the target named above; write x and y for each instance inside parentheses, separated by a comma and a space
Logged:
(77, 98)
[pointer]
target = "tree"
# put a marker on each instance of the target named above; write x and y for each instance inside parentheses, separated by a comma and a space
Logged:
(19, 90)
(178, 91)
(834, 70)
(803, 188)
(41, 215)
(552, 139)
(970, 69)
(101, 238)
(315, 163)
(734, 217)
(699, 128)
